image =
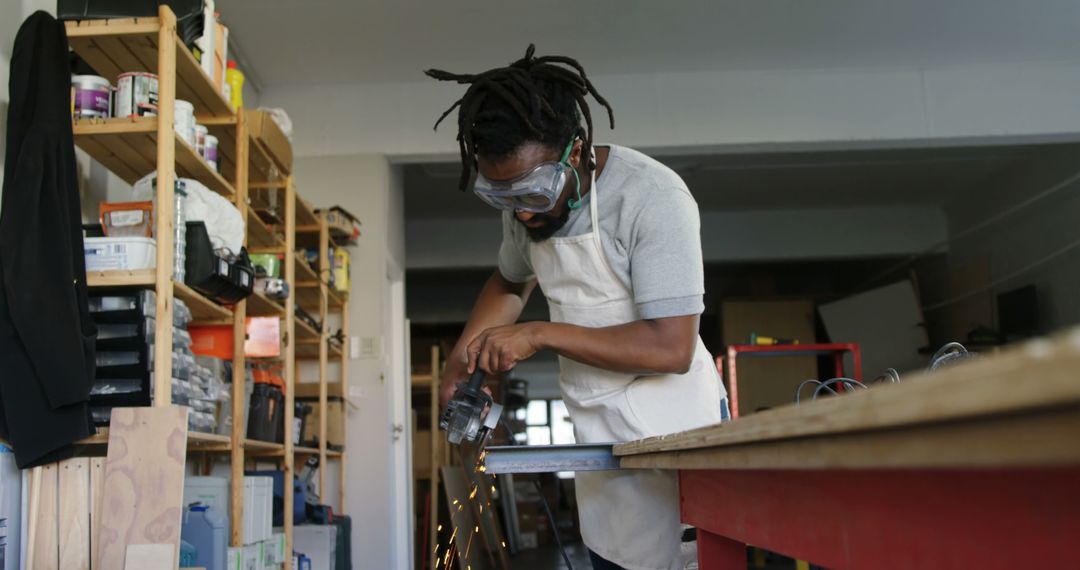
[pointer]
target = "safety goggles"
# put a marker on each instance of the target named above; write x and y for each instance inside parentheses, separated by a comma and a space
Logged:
(535, 191)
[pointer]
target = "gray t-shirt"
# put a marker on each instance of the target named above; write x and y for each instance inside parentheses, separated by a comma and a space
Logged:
(650, 231)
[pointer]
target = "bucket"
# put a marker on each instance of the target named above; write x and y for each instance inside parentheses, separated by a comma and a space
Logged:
(92, 96)
(184, 120)
(136, 94)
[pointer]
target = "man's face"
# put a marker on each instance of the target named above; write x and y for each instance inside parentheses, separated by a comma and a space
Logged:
(539, 226)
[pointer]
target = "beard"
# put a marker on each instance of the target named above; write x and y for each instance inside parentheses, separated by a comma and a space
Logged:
(551, 225)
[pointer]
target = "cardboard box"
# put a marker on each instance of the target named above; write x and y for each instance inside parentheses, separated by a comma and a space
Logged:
(263, 128)
(235, 558)
(421, 451)
(251, 559)
(343, 225)
(335, 420)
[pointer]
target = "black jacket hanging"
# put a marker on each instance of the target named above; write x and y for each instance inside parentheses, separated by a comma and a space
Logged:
(46, 332)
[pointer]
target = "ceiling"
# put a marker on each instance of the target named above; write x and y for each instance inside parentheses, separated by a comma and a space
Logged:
(773, 180)
(345, 41)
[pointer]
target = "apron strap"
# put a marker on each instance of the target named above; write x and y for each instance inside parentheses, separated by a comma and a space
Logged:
(594, 215)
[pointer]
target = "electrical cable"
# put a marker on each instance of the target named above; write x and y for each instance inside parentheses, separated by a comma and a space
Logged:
(949, 354)
(827, 385)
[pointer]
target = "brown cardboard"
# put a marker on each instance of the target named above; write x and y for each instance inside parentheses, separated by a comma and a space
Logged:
(263, 128)
(335, 421)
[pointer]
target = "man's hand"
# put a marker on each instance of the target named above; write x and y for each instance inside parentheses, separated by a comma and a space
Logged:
(499, 349)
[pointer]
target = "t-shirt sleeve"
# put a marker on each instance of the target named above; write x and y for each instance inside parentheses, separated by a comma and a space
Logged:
(665, 256)
(514, 263)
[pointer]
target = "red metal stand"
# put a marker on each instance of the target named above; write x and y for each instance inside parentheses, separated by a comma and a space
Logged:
(836, 350)
(883, 519)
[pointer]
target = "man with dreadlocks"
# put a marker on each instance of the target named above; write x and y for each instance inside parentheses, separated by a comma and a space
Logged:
(612, 238)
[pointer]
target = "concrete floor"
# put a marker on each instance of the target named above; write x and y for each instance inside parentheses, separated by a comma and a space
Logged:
(549, 558)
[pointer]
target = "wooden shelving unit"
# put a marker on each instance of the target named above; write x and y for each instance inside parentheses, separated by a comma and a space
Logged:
(134, 147)
(314, 294)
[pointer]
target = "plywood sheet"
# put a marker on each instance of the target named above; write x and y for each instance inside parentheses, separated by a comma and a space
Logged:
(42, 541)
(887, 323)
(144, 482)
(769, 382)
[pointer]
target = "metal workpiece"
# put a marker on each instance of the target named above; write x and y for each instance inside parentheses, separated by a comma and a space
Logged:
(550, 458)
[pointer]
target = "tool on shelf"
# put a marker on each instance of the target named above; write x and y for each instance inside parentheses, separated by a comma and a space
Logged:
(464, 419)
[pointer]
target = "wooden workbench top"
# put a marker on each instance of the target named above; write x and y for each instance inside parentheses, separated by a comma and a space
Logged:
(1017, 408)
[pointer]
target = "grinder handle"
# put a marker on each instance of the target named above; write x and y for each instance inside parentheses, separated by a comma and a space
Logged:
(477, 379)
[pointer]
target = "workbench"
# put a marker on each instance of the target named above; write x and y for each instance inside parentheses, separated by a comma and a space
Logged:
(974, 466)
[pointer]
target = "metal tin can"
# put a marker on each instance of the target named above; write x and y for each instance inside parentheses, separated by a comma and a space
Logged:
(136, 94)
(92, 95)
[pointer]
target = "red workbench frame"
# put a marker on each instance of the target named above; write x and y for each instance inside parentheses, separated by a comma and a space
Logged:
(836, 349)
(884, 519)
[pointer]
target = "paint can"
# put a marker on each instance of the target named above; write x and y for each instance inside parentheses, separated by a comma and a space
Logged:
(92, 95)
(210, 152)
(200, 139)
(136, 94)
(184, 120)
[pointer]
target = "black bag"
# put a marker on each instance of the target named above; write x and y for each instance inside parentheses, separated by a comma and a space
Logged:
(216, 277)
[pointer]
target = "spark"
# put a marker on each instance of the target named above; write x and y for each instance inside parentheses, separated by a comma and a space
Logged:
(481, 509)
(454, 534)
(461, 507)
(504, 544)
(438, 528)
(472, 495)
(468, 546)
(477, 528)
(455, 501)
(493, 488)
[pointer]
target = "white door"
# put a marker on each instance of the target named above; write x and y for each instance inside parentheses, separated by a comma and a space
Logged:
(400, 420)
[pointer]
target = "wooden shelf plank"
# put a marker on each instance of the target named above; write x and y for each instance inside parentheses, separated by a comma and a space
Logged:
(196, 440)
(112, 47)
(259, 305)
(258, 445)
(300, 450)
(305, 214)
(305, 331)
(128, 148)
(202, 309)
(305, 274)
(102, 279)
(260, 236)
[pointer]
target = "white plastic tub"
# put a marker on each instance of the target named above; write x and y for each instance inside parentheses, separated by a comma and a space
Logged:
(119, 253)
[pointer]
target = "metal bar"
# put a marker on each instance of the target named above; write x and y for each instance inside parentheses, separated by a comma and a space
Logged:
(550, 458)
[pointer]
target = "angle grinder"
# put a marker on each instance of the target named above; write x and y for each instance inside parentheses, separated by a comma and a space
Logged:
(463, 419)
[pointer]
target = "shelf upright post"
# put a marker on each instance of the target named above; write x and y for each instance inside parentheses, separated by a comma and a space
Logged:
(166, 165)
(290, 355)
(239, 422)
(433, 505)
(324, 335)
(342, 460)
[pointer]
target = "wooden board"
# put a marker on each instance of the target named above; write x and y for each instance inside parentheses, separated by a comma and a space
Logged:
(1035, 380)
(42, 541)
(74, 506)
(769, 382)
(97, 493)
(144, 482)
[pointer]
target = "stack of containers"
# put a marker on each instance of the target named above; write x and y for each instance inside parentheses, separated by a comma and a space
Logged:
(125, 360)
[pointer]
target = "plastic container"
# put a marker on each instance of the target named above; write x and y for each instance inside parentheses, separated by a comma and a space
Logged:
(234, 79)
(180, 229)
(119, 253)
(201, 132)
(184, 120)
(210, 152)
(206, 528)
(136, 94)
(92, 96)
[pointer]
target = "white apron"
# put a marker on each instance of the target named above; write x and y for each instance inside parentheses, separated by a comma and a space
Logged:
(630, 517)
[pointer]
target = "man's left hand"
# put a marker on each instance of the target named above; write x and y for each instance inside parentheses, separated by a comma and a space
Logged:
(499, 349)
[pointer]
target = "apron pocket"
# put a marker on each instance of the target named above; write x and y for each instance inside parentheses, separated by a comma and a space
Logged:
(674, 402)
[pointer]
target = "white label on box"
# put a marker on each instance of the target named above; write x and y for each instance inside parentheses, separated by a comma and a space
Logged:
(125, 218)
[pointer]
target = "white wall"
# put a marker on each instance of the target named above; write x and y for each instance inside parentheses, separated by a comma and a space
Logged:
(725, 236)
(781, 109)
(369, 187)
(1031, 234)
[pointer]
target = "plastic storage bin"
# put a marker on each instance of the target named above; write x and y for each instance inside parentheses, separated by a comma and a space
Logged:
(119, 253)
(213, 275)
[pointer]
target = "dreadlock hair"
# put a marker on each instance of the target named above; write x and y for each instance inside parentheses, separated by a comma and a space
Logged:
(534, 99)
